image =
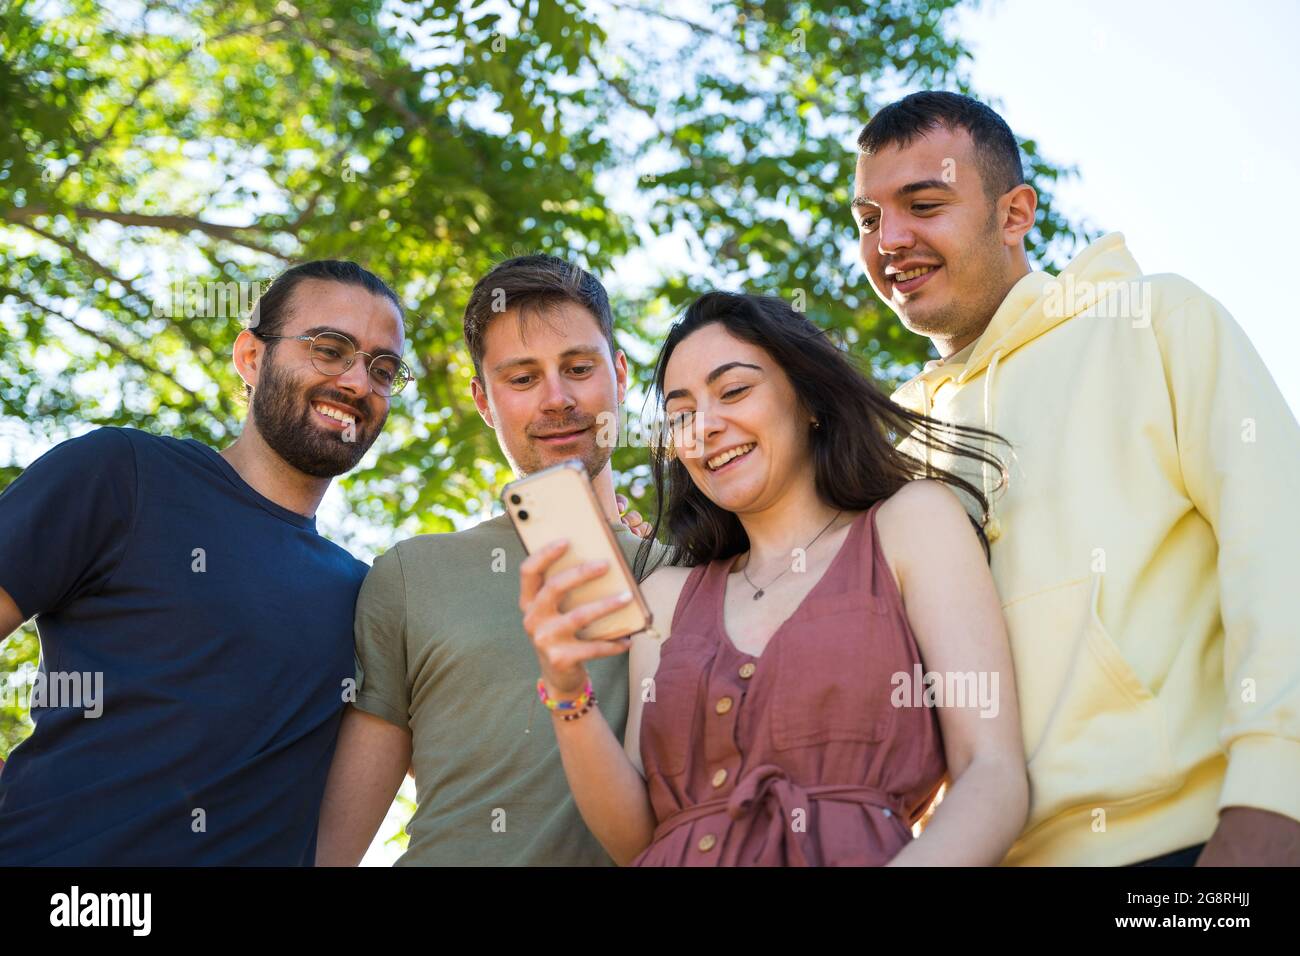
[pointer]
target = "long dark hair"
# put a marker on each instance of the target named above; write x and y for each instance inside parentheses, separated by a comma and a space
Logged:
(856, 456)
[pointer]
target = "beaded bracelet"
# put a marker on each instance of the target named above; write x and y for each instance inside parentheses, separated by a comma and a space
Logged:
(552, 704)
(592, 702)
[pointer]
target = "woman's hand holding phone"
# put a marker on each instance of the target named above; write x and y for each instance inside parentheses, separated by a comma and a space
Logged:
(608, 790)
(560, 652)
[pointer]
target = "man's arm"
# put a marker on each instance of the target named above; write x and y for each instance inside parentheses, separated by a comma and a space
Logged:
(66, 522)
(1249, 837)
(374, 746)
(369, 763)
(1238, 445)
(10, 616)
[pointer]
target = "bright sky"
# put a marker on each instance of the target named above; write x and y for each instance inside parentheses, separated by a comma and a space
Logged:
(1182, 120)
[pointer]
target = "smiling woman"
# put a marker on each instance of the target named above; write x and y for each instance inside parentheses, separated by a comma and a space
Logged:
(766, 365)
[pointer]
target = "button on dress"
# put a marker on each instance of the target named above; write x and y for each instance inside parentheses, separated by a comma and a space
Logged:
(797, 756)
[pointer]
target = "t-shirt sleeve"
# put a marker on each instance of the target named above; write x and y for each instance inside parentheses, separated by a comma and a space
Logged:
(65, 522)
(380, 631)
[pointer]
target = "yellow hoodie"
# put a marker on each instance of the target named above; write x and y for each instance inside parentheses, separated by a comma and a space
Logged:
(1145, 549)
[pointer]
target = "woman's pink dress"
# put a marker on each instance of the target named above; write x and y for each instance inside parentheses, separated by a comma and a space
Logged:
(796, 757)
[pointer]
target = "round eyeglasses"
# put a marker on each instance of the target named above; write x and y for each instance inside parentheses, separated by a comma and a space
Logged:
(332, 353)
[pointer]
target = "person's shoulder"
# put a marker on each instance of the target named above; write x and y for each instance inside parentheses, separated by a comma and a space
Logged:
(149, 449)
(341, 565)
(456, 548)
(92, 451)
(1172, 288)
(919, 497)
(1170, 297)
(918, 513)
(665, 578)
(440, 542)
(106, 439)
(99, 466)
(354, 566)
(137, 439)
(661, 589)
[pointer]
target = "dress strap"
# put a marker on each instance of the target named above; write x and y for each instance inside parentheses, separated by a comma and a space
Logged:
(689, 593)
(875, 568)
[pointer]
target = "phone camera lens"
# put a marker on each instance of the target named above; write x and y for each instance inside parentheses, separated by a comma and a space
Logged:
(523, 515)
(515, 499)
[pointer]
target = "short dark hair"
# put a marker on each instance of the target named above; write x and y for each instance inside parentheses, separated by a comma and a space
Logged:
(996, 152)
(271, 310)
(533, 282)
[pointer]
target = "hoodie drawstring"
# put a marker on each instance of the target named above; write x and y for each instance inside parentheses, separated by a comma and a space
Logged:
(992, 527)
(925, 407)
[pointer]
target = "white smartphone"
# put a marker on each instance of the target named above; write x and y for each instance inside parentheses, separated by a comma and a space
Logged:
(558, 502)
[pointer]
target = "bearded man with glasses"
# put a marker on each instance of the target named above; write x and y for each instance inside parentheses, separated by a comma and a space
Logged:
(196, 630)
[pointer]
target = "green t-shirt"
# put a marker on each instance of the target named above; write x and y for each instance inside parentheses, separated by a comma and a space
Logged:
(441, 649)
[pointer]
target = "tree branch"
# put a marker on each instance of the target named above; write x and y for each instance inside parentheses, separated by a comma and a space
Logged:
(173, 223)
(395, 97)
(107, 340)
(82, 256)
(88, 149)
(699, 28)
(195, 343)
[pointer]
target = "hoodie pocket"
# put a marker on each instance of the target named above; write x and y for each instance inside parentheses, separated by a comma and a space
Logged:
(1095, 736)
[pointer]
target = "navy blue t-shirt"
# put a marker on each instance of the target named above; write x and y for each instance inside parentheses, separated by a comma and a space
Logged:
(220, 625)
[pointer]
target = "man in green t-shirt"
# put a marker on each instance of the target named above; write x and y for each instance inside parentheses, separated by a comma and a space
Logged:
(446, 675)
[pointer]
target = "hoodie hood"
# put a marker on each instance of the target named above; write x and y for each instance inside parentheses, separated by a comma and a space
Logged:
(1035, 305)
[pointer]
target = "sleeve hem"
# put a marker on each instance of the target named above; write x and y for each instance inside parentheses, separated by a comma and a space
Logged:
(20, 600)
(378, 708)
(1262, 773)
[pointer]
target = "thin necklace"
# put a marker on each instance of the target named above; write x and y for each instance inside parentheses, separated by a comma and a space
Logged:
(759, 592)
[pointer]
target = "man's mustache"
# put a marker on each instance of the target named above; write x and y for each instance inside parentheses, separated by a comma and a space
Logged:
(559, 428)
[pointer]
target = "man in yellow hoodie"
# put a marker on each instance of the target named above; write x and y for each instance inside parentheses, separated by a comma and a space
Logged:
(1146, 543)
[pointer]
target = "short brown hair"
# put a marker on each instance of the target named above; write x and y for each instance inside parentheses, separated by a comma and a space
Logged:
(535, 281)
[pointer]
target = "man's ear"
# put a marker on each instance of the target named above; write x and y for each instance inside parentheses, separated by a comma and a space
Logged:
(481, 401)
(620, 374)
(247, 355)
(1017, 208)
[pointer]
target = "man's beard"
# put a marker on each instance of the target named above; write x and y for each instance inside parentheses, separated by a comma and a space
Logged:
(286, 422)
(594, 457)
(964, 315)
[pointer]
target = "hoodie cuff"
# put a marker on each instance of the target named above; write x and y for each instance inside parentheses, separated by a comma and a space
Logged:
(1262, 773)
